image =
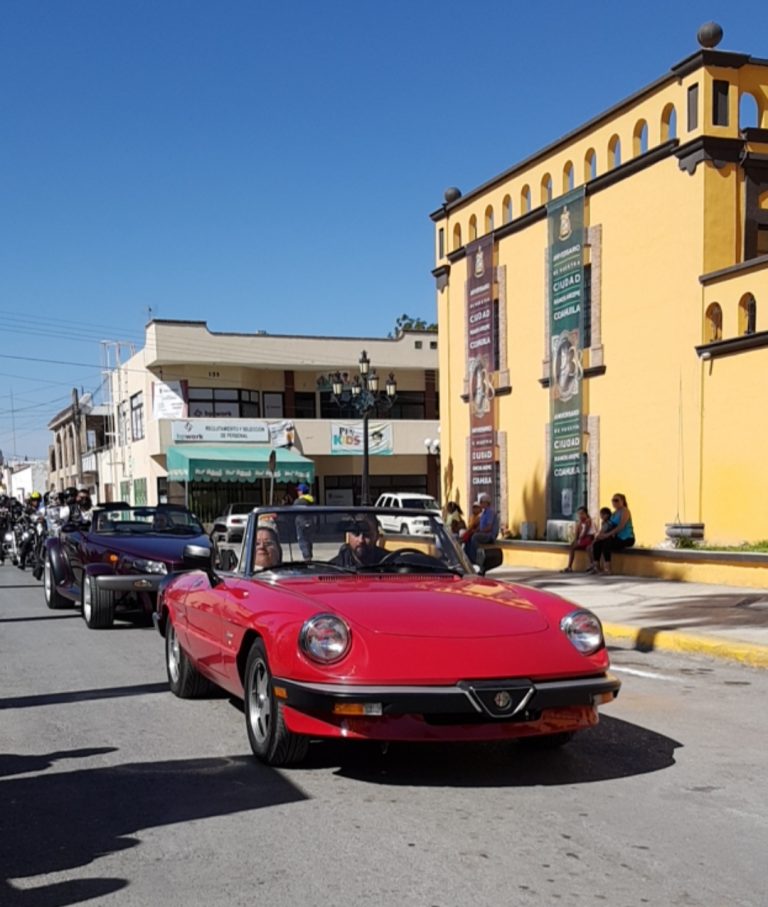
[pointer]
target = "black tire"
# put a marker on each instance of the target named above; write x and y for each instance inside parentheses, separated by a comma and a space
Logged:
(184, 679)
(548, 741)
(270, 739)
(98, 605)
(53, 599)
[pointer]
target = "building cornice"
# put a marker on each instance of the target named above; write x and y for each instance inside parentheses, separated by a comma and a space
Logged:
(719, 348)
(742, 268)
(696, 61)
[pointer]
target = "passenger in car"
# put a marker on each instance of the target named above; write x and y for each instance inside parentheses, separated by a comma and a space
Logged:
(267, 550)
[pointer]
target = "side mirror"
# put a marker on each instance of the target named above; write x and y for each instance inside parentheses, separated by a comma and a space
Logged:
(199, 557)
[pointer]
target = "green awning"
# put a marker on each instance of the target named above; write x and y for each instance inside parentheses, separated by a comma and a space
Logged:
(228, 463)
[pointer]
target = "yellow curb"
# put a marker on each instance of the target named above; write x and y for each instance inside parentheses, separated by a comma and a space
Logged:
(647, 638)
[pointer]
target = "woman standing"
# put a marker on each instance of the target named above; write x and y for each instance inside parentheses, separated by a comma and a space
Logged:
(620, 536)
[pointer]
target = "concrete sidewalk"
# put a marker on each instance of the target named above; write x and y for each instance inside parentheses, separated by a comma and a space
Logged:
(728, 622)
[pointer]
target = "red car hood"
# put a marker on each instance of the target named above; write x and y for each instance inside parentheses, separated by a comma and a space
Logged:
(437, 608)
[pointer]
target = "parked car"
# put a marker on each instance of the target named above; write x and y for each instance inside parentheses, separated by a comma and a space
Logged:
(378, 638)
(399, 522)
(116, 561)
(228, 528)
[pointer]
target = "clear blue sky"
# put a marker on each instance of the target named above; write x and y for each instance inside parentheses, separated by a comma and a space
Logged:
(268, 166)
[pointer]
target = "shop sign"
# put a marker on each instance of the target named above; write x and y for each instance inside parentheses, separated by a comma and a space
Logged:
(347, 440)
(220, 431)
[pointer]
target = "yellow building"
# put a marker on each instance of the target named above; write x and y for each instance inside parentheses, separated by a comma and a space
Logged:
(603, 314)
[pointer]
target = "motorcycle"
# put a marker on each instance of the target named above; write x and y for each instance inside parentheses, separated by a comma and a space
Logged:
(37, 556)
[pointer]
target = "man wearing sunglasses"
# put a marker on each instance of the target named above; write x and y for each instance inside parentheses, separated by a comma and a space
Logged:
(361, 550)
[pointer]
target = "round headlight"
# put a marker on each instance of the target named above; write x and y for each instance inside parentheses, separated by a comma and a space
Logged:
(324, 638)
(584, 631)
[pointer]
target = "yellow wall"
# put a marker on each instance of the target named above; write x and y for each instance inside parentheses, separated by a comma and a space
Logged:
(683, 439)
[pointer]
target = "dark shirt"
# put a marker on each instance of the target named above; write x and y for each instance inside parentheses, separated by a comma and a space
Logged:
(347, 558)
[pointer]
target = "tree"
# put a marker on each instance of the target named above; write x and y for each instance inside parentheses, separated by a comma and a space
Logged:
(409, 323)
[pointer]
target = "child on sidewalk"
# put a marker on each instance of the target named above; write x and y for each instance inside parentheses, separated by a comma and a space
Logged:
(605, 527)
(585, 534)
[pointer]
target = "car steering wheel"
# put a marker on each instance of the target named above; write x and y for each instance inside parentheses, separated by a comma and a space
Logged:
(389, 558)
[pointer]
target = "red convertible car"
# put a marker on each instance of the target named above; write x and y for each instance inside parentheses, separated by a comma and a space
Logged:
(329, 629)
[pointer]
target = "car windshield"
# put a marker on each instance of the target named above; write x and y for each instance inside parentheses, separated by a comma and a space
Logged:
(289, 541)
(147, 521)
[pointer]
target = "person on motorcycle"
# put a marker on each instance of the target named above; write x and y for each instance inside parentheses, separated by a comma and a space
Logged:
(30, 514)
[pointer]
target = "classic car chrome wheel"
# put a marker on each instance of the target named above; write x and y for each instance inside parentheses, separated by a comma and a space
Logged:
(270, 739)
(98, 605)
(52, 597)
(184, 679)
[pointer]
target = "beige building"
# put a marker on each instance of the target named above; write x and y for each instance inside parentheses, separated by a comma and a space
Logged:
(78, 433)
(197, 413)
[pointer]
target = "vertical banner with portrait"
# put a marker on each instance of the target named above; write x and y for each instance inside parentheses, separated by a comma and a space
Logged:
(480, 366)
(565, 217)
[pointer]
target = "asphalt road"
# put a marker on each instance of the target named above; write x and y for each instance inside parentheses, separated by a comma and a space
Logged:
(114, 792)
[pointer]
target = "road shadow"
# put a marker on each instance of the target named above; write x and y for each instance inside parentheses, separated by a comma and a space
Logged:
(714, 612)
(614, 749)
(20, 620)
(59, 821)
(26, 702)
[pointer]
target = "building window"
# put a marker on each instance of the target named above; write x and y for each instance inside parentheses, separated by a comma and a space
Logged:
(506, 207)
(747, 315)
(273, 405)
(305, 406)
(668, 123)
(568, 178)
(614, 151)
(139, 492)
(137, 416)
(441, 243)
(640, 138)
(125, 492)
(714, 323)
(525, 199)
(590, 165)
(223, 403)
(472, 228)
(546, 189)
(433, 344)
(749, 111)
(456, 237)
(408, 405)
(693, 107)
(489, 219)
(720, 102)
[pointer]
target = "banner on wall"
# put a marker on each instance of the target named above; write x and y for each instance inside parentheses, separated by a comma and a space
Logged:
(565, 218)
(347, 440)
(481, 352)
(170, 399)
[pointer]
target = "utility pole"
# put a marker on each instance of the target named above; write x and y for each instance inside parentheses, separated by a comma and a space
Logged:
(78, 449)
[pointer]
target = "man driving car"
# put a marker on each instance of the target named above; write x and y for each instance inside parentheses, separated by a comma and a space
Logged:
(361, 550)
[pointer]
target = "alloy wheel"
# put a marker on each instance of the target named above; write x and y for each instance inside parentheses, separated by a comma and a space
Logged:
(260, 702)
(174, 653)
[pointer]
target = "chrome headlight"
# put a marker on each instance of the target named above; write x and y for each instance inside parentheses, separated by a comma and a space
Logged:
(8, 537)
(144, 566)
(584, 631)
(325, 638)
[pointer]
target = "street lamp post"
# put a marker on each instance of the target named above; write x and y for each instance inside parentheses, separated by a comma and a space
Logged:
(362, 394)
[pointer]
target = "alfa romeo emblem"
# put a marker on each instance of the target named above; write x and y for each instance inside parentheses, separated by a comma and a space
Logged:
(502, 700)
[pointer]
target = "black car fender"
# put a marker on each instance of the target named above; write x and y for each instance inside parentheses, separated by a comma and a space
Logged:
(98, 570)
(59, 563)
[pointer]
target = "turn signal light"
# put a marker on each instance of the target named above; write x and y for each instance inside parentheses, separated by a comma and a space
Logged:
(602, 698)
(357, 708)
(112, 558)
(280, 692)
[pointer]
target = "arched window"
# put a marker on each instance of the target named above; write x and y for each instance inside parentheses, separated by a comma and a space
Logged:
(472, 228)
(640, 138)
(714, 323)
(489, 219)
(568, 178)
(749, 111)
(590, 165)
(525, 199)
(614, 152)
(546, 189)
(456, 236)
(506, 209)
(668, 123)
(747, 314)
